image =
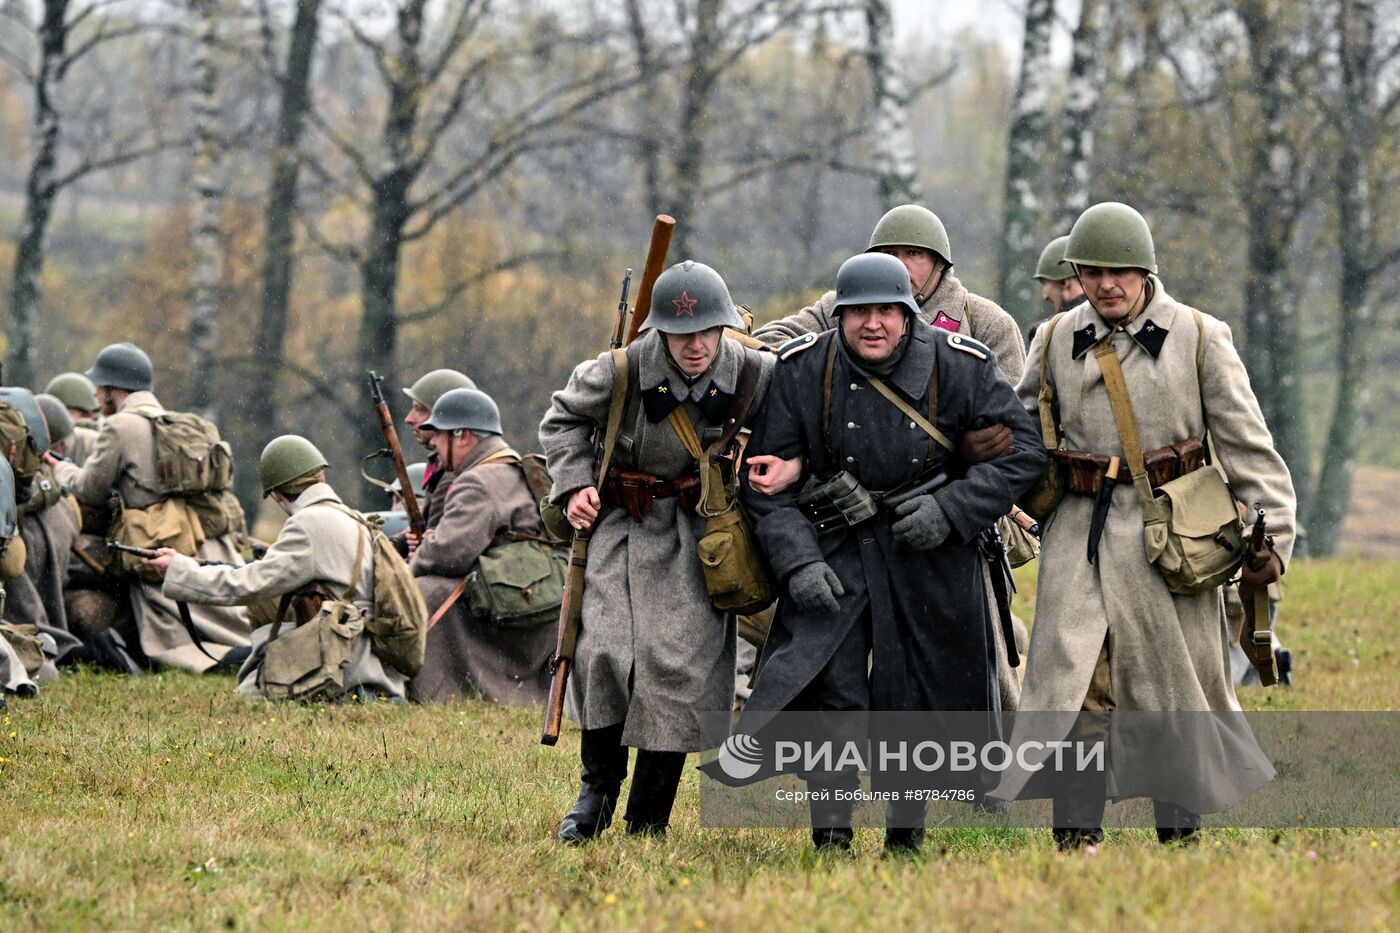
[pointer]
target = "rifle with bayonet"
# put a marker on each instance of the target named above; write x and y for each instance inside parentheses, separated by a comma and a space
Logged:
(394, 452)
(571, 609)
(1257, 636)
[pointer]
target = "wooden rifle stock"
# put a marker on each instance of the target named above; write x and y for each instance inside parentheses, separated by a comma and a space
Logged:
(656, 263)
(391, 440)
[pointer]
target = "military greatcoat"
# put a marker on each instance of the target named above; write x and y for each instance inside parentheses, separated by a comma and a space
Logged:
(931, 632)
(123, 460)
(1166, 652)
(652, 653)
(467, 656)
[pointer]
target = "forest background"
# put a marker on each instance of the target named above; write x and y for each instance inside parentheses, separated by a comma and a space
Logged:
(275, 196)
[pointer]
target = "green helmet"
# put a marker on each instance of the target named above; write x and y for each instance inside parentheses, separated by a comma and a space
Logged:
(56, 417)
(874, 279)
(465, 410)
(1051, 266)
(912, 225)
(428, 389)
(1113, 236)
(415, 478)
(123, 366)
(691, 297)
(287, 458)
(74, 390)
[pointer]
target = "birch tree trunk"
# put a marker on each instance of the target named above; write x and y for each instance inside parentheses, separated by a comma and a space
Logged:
(1356, 238)
(205, 239)
(1025, 151)
(1272, 204)
(40, 190)
(280, 247)
(893, 141)
(1083, 89)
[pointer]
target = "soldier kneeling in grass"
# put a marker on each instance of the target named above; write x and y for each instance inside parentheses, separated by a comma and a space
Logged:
(315, 587)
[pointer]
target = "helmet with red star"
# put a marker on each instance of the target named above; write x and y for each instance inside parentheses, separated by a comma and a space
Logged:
(690, 297)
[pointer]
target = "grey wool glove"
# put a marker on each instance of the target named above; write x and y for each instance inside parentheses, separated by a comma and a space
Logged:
(923, 526)
(815, 587)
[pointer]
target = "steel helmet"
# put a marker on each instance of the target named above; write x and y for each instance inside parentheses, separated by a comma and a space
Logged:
(465, 410)
(287, 458)
(691, 297)
(1111, 235)
(912, 225)
(123, 366)
(874, 279)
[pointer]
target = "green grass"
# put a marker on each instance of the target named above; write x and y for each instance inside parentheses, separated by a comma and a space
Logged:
(164, 801)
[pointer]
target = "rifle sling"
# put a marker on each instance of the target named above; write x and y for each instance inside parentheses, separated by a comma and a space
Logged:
(188, 622)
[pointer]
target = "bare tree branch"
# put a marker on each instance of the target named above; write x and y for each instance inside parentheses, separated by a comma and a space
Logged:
(455, 290)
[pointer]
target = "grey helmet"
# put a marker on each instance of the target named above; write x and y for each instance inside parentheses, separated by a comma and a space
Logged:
(415, 472)
(56, 416)
(123, 366)
(9, 517)
(34, 423)
(690, 297)
(874, 279)
(465, 410)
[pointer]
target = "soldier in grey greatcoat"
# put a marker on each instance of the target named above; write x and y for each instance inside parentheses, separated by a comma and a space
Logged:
(1109, 634)
(123, 461)
(653, 656)
(916, 237)
(321, 542)
(488, 503)
(888, 614)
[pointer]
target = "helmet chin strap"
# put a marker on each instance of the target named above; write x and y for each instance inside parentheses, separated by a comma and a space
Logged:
(935, 279)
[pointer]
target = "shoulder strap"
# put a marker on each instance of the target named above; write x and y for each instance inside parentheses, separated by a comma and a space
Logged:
(1049, 424)
(827, 375)
(914, 416)
(1123, 415)
(359, 541)
(623, 380)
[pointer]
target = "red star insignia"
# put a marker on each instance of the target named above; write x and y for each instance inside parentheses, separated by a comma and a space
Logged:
(685, 305)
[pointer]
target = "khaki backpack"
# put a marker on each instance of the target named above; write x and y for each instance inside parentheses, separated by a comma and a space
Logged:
(398, 625)
(190, 457)
(15, 443)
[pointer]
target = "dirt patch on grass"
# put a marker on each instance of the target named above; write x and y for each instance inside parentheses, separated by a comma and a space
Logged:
(1371, 528)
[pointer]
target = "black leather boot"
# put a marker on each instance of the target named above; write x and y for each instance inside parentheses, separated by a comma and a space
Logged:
(1078, 814)
(831, 821)
(653, 793)
(1176, 824)
(904, 828)
(604, 767)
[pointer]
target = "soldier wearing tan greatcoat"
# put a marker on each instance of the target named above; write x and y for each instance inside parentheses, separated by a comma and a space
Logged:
(1110, 635)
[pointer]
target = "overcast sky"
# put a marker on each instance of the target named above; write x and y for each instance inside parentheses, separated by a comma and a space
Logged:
(997, 18)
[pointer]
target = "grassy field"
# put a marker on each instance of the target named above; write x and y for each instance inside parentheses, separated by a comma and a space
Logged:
(165, 802)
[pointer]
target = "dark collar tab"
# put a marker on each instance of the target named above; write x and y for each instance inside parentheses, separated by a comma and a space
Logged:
(714, 404)
(1084, 338)
(1150, 336)
(659, 401)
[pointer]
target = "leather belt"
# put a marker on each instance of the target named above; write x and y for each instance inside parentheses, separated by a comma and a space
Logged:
(1084, 473)
(635, 491)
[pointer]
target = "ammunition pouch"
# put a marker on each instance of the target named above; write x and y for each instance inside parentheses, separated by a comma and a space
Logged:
(1084, 473)
(840, 502)
(1022, 547)
(519, 584)
(636, 491)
